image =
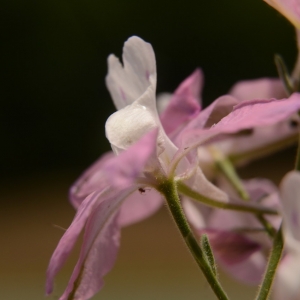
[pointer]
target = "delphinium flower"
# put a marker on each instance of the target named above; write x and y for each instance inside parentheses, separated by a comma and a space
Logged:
(113, 193)
(128, 186)
(287, 282)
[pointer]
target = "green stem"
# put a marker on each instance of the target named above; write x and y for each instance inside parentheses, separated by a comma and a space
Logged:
(274, 259)
(226, 167)
(169, 190)
(268, 227)
(187, 191)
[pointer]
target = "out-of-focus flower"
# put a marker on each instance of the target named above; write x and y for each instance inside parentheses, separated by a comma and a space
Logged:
(238, 240)
(289, 8)
(287, 284)
(262, 88)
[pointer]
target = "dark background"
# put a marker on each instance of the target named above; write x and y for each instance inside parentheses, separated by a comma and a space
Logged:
(54, 102)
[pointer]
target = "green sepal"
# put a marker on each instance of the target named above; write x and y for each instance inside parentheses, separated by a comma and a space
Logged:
(284, 74)
(205, 245)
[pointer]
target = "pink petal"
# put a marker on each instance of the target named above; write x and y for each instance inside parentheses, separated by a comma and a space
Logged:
(122, 170)
(139, 205)
(110, 169)
(99, 249)
(212, 114)
(249, 271)
(184, 104)
(256, 113)
(68, 240)
(91, 180)
(248, 114)
(263, 88)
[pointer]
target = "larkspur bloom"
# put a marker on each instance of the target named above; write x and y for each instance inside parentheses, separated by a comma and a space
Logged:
(287, 282)
(113, 193)
(289, 8)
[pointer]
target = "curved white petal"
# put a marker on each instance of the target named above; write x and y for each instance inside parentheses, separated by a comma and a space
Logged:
(128, 82)
(126, 126)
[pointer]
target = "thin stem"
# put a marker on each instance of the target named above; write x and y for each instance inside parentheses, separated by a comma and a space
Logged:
(268, 227)
(225, 166)
(168, 189)
(274, 259)
(187, 191)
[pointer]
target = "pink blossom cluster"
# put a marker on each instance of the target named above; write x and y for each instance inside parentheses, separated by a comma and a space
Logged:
(172, 137)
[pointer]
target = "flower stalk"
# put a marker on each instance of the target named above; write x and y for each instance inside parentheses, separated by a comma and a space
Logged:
(187, 191)
(169, 190)
(274, 259)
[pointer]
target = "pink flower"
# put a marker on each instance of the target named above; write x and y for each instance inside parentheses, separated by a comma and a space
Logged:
(120, 190)
(287, 284)
(289, 8)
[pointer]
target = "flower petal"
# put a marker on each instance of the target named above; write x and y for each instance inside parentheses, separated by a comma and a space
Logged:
(256, 113)
(230, 247)
(68, 240)
(127, 83)
(287, 284)
(99, 248)
(184, 104)
(126, 126)
(91, 180)
(263, 88)
(249, 271)
(139, 205)
(290, 195)
(246, 115)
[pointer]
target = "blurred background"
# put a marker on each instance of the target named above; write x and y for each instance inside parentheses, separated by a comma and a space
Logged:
(54, 104)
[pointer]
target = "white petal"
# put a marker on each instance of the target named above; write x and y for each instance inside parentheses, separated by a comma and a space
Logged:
(126, 126)
(287, 283)
(290, 195)
(127, 83)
